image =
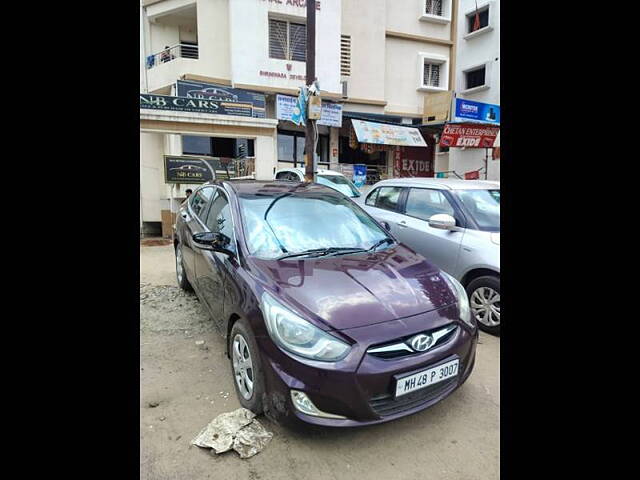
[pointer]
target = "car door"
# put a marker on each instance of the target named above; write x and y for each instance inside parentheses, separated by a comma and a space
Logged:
(192, 213)
(440, 247)
(383, 205)
(211, 266)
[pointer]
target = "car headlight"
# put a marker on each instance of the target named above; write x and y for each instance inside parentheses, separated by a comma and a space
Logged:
(463, 299)
(298, 336)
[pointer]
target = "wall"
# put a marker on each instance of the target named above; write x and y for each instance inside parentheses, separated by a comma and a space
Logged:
(151, 175)
(403, 16)
(402, 74)
(367, 29)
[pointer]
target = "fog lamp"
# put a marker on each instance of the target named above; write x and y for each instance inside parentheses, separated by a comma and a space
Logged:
(305, 405)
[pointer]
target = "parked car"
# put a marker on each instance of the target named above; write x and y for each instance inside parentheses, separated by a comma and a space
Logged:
(328, 319)
(453, 223)
(330, 178)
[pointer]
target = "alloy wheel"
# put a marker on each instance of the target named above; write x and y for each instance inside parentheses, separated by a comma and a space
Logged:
(485, 305)
(242, 366)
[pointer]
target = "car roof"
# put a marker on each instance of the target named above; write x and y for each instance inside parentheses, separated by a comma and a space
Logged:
(301, 170)
(274, 187)
(440, 183)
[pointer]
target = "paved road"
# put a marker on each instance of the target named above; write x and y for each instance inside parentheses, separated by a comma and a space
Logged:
(457, 439)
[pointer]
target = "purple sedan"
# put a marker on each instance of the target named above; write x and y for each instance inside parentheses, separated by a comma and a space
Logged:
(328, 319)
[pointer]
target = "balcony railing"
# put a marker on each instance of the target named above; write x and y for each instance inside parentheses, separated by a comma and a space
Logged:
(181, 50)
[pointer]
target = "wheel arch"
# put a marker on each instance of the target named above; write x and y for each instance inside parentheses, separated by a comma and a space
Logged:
(477, 272)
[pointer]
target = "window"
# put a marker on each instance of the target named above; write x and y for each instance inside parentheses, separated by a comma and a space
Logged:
(219, 218)
(291, 148)
(433, 7)
(371, 199)
(475, 78)
(481, 21)
(388, 198)
(195, 145)
(431, 77)
(345, 55)
(424, 203)
(200, 199)
(287, 40)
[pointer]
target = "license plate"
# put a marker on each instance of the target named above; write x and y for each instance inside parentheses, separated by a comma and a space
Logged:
(427, 377)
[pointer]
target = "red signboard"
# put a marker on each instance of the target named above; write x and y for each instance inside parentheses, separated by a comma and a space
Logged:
(413, 161)
(468, 135)
(475, 175)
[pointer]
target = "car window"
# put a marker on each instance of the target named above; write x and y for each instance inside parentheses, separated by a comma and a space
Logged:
(483, 206)
(200, 199)
(219, 218)
(339, 183)
(388, 198)
(424, 203)
(371, 199)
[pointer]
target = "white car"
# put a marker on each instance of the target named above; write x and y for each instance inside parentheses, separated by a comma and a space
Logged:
(330, 178)
(454, 224)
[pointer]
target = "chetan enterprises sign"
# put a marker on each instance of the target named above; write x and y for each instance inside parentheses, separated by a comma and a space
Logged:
(331, 114)
(468, 135)
(196, 105)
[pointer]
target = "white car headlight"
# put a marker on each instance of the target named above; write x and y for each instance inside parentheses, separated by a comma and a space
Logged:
(463, 299)
(298, 336)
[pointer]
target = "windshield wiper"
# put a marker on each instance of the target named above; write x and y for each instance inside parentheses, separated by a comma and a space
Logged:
(320, 252)
(377, 244)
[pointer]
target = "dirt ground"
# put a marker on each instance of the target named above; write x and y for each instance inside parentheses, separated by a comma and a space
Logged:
(457, 439)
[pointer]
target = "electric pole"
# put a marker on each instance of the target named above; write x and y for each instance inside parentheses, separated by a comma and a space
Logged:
(309, 139)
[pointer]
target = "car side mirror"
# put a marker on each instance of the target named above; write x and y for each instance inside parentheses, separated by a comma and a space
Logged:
(213, 241)
(442, 221)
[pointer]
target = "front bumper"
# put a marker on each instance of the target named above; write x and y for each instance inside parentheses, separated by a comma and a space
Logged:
(361, 386)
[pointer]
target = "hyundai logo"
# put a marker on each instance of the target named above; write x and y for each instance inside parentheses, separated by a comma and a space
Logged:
(421, 342)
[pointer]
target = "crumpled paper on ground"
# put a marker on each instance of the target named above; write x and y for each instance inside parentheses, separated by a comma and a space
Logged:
(238, 430)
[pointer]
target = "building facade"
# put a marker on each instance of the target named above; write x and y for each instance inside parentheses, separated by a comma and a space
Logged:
(376, 60)
(477, 79)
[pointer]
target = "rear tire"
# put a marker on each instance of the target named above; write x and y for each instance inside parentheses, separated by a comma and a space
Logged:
(181, 275)
(248, 377)
(484, 300)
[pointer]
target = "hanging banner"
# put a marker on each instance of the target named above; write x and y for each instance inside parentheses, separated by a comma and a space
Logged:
(381, 133)
(252, 104)
(331, 115)
(478, 111)
(468, 135)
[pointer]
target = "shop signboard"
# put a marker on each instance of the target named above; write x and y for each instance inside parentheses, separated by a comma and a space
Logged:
(413, 162)
(195, 105)
(331, 115)
(468, 135)
(466, 110)
(187, 169)
(387, 134)
(250, 104)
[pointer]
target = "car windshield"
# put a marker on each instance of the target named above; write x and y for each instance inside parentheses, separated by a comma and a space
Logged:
(301, 222)
(484, 207)
(340, 183)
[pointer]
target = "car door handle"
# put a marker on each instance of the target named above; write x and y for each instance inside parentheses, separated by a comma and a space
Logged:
(402, 224)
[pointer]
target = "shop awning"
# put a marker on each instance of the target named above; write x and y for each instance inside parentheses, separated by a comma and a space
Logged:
(386, 134)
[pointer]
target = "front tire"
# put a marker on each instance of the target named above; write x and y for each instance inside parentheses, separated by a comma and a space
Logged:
(181, 275)
(246, 367)
(484, 300)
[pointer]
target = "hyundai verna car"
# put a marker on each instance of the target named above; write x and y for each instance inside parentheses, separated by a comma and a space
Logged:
(328, 319)
(456, 225)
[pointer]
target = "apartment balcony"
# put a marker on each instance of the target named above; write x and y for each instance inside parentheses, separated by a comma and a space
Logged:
(164, 67)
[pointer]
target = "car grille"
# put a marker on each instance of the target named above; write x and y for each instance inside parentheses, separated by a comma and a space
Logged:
(386, 405)
(400, 348)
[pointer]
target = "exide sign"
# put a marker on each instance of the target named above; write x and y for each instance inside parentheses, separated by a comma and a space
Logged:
(468, 135)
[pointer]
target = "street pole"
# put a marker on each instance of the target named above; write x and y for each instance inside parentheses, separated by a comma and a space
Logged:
(309, 139)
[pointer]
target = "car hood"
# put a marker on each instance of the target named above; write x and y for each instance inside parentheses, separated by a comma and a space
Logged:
(349, 291)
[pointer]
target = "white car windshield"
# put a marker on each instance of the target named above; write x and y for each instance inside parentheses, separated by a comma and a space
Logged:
(298, 223)
(484, 207)
(340, 183)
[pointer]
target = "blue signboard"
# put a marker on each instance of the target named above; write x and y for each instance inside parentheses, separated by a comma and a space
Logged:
(480, 112)
(359, 175)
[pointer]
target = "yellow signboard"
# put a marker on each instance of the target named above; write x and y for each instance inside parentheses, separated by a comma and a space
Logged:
(437, 107)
